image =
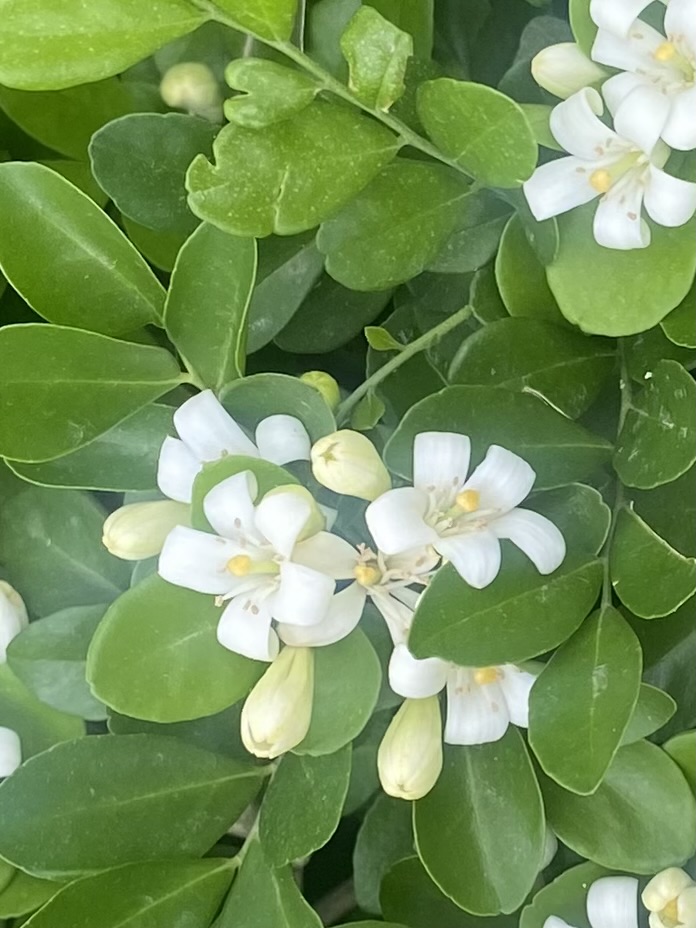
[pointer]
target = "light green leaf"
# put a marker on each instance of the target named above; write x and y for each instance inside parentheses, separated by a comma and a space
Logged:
(653, 710)
(26, 894)
(79, 174)
(156, 656)
(271, 92)
(91, 276)
(290, 176)
(648, 575)
(680, 325)
(380, 339)
(62, 387)
(521, 277)
(39, 727)
(641, 819)
(579, 512)
(52, 44)
(483, 817)
(582, 24)
(395, 227)
(144, 792)
(657, 442)
(252, 399)
(518, 617)
(207, 303)
(377, 52)
(566, 898)
(538, 118)
(582, 701)
(269, 19)
(367, 413)
(682, 749)
(160, 248)
(480, 128)
(385, 836)
(414, 17)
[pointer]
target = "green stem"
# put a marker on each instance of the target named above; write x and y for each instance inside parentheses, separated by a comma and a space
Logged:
(432, 335)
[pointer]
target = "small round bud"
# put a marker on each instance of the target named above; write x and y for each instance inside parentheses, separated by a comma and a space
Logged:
(192, 86)
(564, 69)
(138, 530)
(409, 759)
(10, 751)
(348, 463)
(325, 384)
(13, 617)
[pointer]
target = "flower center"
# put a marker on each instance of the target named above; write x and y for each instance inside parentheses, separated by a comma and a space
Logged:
(670, 914)
(603, 179)
(486, 675)
(367, 574)
(468, 500)
(241, 565)
(668, 52)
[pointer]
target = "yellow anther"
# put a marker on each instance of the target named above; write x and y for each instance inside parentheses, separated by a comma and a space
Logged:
(665, 52)
(239, 565)
(600, 180)
(485, 675)
(468, 500)
(367, 574)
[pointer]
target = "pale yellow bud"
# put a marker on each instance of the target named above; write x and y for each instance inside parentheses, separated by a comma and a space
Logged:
(348, 463)
(13, 617)
(409, 759)
(316, 521)
(277, 712)
(192, 86)
(564, 69)
(325, 384)
(670, 898)
(138, 530)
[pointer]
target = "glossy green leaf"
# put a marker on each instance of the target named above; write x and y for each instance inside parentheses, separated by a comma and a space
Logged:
(393, 229)
(91, 276)
(582, 701)
(260, 395)
(521, 615)
(39, 727)
(565, 897)
(657, 442)
(207, 304)
(481, 129)
(484, 297)
(270, 92)
(648, 575)
(475, 240)
(385, 836)
(160, 248)
(290, 176)
(26, 894)
(682, 749)
(579, 512)
(269, 20)
(62, 387)
(680, 325)
(582, 24)
(643, 352)
(377, 52)
(414, 17)
(79, 174)
(156, 656)
(521, 277)
(670, 510)
(152, 796)
(641, 819)
(485, 817)
(653, 709)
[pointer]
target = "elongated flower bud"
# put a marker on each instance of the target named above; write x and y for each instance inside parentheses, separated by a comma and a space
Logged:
(192, 86)
(10, 751)
(13, 617)
(564, 69)
(409, 759)
(325, 384)
(277, 712)
(347, 462)
(138, 530)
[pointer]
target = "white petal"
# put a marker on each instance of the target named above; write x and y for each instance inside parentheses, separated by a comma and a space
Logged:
(229, 506)
(534, 534)
(680, 21)
(669, 201)
(475, 714)
(10, 751)
(553, 921)
(280, 518)
(616, 15)
(396, 520)
(612, 902)
(502, 480)
(618, 87)
(642, 116)
(328, 553)
(245, 628)
(198, 561)
(617, 222)
(397, 614)
(342, 617)
(686, 907)
(176, 470)
(654, 920)
(281, 439)
(680, 128)
(209, 430)
(414, 678)
(415, 562)
(633, 52)
(576, 127)
(665, 886)
(304, 595)
(558, 186)
(440, 461)
(475, 556)
(516, 685)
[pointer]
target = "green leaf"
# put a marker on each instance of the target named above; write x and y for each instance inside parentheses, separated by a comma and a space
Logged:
(62, 388)
(347, 677)
(521, 277)
(91, 276)
(269, 20)
(26, 894)
(49, 657)
(52, 44)
(271, 92)
(484, 131)
(680, 325)
(657, 442)
(648, 575)
(538, 118)
(486, 303)
(385, 836)
(143, 895)
(207, 304)
(160, 248)
(670, 510)
(302, 806)
(682, 750)
(51, 545)
(581, 703)
(631, 290)
(141, 160)
(380, 339)
(582, 24)
(414, 17)
(39, 727)
(560, 451)
(325, 22)
(151, 795)
(475, 240)
(579, 512)
(367, 413)
(295, 173)
(483, 817)
(156, 656)
(565, 898)
(645, 351)
(252, 399)
(653, 710)
(563, 367)
(518, 617)
(641, 819)
(377, 52)
(395, 227)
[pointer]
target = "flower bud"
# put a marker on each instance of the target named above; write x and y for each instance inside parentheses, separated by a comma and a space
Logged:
(192, 86)
(347, 462)
(325, 384)
(670, 898)
(10, 751)
(277, 712)
(564, 69)
(13, 617)
(409, 759)
(138, 530)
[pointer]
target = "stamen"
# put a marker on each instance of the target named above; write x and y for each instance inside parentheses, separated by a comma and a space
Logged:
(468, 500)
(367, 574)
(664, 52)
(239, 565)
(485, 675)
(600, 180)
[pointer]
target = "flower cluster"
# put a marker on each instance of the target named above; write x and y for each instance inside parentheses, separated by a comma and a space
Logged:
(651, 100)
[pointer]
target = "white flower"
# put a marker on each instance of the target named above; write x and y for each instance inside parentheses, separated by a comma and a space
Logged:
(207, 433)
(463, 519)
(277, 712)
(347, 462)
(13, 617)
(612, 902)
(670, 898)
(138, 530)
(409, 759)
(623, 167)
(10, 751)
(564, 69)
(191, 86)
(617, 15)
(258, 561)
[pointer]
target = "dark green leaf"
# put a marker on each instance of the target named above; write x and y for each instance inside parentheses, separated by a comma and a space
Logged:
(260, 395)
(475, 240)
(521, 277)
(682, 749)
(680, 325)
(579, 512)
(653, 710)
(26, 894)
(385, 836)
(38, 726)
(565, 898)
